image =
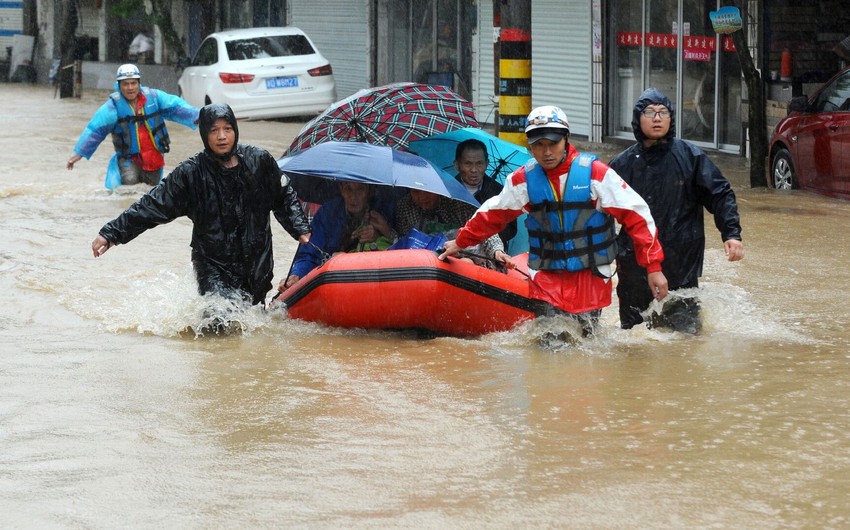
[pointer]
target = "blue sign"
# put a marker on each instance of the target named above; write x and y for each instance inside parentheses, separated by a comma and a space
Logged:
(726, 20)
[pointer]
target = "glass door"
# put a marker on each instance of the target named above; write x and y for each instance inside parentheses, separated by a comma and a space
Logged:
(729, 115)
(660, 47)
(430, 41)
(627, 65)
(710, 110)
(699, 58)
(671, 45)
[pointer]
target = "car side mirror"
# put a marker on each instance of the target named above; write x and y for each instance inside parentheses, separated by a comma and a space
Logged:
(183, 62)
(798, 104)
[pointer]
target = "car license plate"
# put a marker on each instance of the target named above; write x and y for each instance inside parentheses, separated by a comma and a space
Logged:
(282, 82)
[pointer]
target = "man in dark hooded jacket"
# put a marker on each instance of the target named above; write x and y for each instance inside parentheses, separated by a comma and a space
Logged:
(677, 180)
(228, 191)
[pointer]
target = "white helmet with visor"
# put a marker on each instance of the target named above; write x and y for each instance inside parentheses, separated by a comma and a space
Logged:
(128, 71)
(547, 122)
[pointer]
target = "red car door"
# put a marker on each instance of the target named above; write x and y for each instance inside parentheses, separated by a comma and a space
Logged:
(813, 148)
(830, 137)
(841, 146)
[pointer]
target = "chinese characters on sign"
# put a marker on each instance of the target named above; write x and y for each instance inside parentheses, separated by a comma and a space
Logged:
(726, 19)
(693, 48)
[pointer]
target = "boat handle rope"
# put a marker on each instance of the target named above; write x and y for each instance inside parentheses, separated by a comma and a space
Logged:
(325, 255)
(325, 258)
(498, 264)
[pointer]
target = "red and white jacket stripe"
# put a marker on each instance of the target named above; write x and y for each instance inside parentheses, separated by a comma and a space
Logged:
(582, 291)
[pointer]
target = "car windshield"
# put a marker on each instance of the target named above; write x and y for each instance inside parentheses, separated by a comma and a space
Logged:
(264, 47)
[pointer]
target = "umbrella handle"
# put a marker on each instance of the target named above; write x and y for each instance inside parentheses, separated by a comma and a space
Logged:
(501, 163)
(292, 264)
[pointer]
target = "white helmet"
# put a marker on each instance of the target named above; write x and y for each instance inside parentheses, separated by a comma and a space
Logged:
(128, 71)
(548, 122)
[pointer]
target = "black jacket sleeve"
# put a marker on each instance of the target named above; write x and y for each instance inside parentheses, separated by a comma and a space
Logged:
(718, 197)
(286, 208)
(162, 204)
(291, 216)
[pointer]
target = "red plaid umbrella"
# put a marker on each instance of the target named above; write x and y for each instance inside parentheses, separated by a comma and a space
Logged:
(391, 115)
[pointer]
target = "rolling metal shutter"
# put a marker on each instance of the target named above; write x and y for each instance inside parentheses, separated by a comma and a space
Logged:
(483, 68)
(561, 59)
(340, 29)
(90, 19)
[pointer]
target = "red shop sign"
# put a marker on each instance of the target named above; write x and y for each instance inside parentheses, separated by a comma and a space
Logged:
(696, 46)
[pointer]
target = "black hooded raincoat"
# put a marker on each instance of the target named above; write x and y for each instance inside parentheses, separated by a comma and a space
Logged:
(229, 209)
(677, 180)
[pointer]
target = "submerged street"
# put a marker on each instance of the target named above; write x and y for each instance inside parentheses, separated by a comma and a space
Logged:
(114, 413)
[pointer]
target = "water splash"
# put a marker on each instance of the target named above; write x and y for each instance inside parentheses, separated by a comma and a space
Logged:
(728, 313)
(168, 305)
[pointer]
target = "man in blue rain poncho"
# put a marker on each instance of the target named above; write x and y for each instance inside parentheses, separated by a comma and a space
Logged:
(677, 180)
(228, 190)
(135, 116)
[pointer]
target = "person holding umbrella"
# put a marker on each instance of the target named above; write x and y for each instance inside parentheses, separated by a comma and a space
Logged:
(572, 200)
(352, 222)
(471, 165)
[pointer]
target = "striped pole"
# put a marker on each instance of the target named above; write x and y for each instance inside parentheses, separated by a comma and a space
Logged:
(514, 84)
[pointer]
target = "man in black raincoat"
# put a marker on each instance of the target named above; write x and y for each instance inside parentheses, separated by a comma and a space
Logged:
(677, 180)
(228, 191)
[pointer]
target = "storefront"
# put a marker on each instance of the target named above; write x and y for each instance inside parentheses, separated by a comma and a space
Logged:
(427, 41)
(375, 42)
(671, 45)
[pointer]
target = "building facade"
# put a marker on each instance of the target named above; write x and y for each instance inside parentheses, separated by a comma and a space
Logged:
(11, 25)
(590, 57)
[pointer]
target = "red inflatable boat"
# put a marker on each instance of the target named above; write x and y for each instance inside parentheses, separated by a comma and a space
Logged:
(412, 289)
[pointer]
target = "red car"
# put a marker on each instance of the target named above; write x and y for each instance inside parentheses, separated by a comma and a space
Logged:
(810, 147)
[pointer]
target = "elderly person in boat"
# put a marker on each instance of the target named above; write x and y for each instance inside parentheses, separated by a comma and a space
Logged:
(354, 221)
(434, 214)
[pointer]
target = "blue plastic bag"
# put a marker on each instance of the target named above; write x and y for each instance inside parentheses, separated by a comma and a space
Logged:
(113, 173)
(418, 239)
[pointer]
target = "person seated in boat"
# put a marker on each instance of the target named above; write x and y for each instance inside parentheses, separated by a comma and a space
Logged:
(434, 214)
(354, 221)
(471, 162)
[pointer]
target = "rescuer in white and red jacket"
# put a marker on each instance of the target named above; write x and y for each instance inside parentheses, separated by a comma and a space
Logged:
(571, 200)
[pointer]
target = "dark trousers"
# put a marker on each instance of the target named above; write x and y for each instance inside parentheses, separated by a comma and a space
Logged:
(678, 313)
(213, 279)
(588, 321)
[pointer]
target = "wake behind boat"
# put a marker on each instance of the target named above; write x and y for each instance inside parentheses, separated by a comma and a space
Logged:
(413, 289)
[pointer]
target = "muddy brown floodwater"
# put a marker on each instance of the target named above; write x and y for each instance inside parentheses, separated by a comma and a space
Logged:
(112, 415)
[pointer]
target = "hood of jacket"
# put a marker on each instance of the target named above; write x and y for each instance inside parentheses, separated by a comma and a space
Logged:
(206, 119)
(652, 96)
